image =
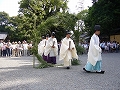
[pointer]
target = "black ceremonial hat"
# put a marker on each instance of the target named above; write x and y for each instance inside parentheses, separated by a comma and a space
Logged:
(43, 37)
(47, 35)
(53, 34)
(97, 27)
(68, 32)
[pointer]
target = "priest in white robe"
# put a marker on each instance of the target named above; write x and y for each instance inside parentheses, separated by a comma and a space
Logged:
(46, 40)
(67, 51)
(51, 49)
(41, 46)
(94, 53)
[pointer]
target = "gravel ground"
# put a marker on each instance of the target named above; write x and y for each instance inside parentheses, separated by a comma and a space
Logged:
(17, 73)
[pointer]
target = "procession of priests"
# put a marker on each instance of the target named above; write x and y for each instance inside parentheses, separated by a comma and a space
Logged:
(48, 49)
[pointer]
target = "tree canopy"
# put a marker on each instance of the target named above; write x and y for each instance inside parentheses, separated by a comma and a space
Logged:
(4, 20)
(46, 13)
(106, 13)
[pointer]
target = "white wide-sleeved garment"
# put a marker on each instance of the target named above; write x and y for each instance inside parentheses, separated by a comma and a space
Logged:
(94, 53)
(49, 50)
(41, 47)
(65, 54)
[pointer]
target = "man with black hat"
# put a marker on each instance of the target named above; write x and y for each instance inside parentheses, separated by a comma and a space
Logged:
(67, 50)
(46, 40)
(94, 53)
(51, 49)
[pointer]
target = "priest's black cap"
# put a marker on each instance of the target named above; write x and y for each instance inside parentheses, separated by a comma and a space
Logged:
(47, 35)
(43, 37)
(53, 34)
(68, 32)
(97, 27)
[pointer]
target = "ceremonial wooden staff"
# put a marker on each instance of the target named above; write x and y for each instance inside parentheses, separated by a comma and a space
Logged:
(53, 43)
(69, 44)
(45, 43)
(69, 49)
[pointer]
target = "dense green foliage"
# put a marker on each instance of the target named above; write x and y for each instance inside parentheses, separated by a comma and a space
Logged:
(53, 16)
(106, 13)
(75, 62)
(80, 49)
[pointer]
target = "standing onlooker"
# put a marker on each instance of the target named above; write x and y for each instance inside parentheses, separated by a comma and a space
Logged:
(111, 47)
(30, 45)
(114, 46)
(8, 48)
(16, 49)
(108, 45)
(25, 48)
(20, 49)
(13, 49)
(1, 45)
(102, 45)
(85, 46)
(117, 47)
(4, 49)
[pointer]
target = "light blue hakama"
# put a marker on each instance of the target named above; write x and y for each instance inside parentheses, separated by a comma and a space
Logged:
(90, 67)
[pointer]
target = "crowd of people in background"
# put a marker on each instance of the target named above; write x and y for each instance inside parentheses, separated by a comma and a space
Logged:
(18, 49)
(15, 49)
(108, 46)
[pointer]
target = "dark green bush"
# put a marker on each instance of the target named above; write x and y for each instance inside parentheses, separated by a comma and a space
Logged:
(75, 61)
(80, 50)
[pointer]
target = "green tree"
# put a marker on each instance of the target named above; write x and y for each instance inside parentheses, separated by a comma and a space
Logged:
(106, 13)
(42, 9)
(12, 26)
(9, 25)
(4, 22)
(80, 26)
(64, 22)
(37, 18)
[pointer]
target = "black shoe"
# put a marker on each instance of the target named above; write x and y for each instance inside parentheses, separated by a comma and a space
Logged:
(68, 68)
(85, 70)
(102, 72)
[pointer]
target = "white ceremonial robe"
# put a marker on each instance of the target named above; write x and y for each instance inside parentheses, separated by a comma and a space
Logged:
(94, 53)
(49, 50)
(65, 54)
(41, 47)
